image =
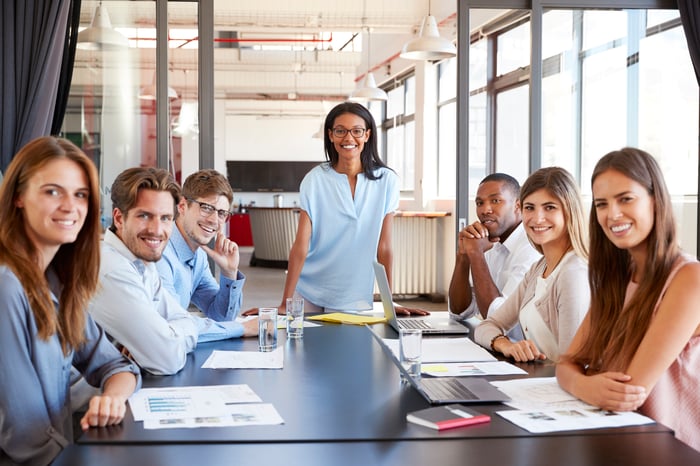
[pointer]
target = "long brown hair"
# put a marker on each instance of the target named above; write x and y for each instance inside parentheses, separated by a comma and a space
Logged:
(617, 330)
(76, 264)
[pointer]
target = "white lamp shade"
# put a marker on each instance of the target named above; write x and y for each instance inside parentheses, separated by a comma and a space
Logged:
(429, 45)
(100, 35)
(369, 91)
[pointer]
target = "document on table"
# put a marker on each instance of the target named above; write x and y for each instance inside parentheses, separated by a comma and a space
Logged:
(188, 402)
(245, 359)
(236, 415)
(446, 350)
(345, 318)
(460, 369)
(543, 406)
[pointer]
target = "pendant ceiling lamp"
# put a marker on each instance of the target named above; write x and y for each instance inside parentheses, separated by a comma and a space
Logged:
(100, 35)
(369, 89)
(149, 92)
(429, 45)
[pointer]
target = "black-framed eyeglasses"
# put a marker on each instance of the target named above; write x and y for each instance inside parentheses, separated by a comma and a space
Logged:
(340, 132)
(206, 210)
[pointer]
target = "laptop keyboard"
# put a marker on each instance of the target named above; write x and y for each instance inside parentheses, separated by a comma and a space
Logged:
(414, 323)
(446, 389)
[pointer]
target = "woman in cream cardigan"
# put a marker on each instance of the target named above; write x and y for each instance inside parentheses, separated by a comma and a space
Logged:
(553, 297)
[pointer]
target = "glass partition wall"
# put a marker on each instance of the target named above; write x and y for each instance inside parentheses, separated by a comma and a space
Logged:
(123, 109)
(605, 79)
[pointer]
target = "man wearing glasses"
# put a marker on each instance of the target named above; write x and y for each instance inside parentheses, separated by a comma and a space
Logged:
(184, 269)
(142, 317)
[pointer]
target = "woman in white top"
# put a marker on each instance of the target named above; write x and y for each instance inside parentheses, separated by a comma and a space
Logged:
(553, 297)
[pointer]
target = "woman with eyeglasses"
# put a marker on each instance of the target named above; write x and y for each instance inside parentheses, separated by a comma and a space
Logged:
(347, 207)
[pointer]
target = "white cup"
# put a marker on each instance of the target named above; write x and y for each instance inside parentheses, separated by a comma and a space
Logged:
(410, 350)
(267, 328)
(295, 318)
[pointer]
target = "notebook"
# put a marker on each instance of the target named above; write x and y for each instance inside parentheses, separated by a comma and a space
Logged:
(430, 325)
(443, 390)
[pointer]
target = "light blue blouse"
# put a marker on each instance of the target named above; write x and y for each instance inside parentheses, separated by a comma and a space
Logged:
(345, 231)
(35, 415)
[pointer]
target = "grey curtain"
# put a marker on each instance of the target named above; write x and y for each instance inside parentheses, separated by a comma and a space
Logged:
(32, 35)
(69, 46)
(690, 17)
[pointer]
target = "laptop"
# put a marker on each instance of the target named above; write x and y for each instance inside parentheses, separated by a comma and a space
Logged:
(444, 390)
(430, 325)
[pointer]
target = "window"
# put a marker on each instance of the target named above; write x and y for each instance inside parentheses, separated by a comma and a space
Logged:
(399, 127)
(610, 78)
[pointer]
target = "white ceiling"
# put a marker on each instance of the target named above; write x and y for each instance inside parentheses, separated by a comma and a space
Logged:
(321, 27)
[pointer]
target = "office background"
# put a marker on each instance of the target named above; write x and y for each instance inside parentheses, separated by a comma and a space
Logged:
(541, 83)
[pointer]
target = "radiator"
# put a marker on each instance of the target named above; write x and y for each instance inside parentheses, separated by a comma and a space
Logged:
(415, 241)
(273, 231)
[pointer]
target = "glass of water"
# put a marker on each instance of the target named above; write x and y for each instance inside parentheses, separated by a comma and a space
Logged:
(295, 318)
(267, 328)
(410, 350)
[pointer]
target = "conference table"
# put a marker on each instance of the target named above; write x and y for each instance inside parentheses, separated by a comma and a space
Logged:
(343, 403)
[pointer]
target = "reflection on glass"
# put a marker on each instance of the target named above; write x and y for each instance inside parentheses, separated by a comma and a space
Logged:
(447, 81)
(512, 132)
(395, 103)
(477, 65)
(558, 27)
(447, 150)
(603, 27)
(668, 108)
(513, 49)
(477, 141)
(410, 84)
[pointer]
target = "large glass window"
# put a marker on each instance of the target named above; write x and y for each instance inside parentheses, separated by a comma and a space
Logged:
(610, 78)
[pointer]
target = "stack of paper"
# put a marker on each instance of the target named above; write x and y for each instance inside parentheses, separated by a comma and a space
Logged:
(201, 406)
(543, 406)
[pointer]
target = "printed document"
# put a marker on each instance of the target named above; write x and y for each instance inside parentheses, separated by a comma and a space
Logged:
(188, 402)
(245, 359)
(460, 369)
(543, 406)
(446, 350)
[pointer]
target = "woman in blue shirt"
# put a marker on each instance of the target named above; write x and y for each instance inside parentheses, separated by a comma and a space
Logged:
(49, 261)
(347, 207)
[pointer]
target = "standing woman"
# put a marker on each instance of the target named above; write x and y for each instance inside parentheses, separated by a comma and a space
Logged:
(638, 347)
(49, 260)
(347, 208)
(553, 297)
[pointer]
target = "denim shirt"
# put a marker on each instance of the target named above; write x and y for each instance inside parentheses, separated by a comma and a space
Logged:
(35, 414)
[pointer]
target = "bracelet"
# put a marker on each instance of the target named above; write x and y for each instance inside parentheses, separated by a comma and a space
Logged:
(493, 340)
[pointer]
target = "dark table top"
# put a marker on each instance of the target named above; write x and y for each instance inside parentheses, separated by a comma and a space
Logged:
(337, 384)
(570, 450)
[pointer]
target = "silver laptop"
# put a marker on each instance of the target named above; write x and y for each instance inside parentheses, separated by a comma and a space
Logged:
(430, 325)
(443, 390)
